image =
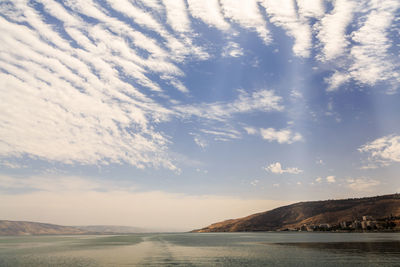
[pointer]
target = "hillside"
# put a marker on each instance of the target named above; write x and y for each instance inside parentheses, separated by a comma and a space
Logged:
(331, 212)
(34, 228)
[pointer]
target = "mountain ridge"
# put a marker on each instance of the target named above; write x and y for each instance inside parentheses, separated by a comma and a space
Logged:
(15, 228)
(8, 227)
(296, 215)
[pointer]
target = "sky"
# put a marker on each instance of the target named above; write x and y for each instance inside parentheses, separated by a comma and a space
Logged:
(174, 114)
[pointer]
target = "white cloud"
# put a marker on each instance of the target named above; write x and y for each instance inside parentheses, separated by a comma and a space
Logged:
(295, 94)
(217, 116)
(73, 82)
(336, 80)
(382, 151)
(368, 60)
(154, 4)
(331, 179)
(284, 136)
(55, 203)
(179, 85)
(232, 50)
(79, 128)
(262, 100)
(277, 168)
(311, 8)
(223, 134)
(372, 62)
(201, 171)
(251, 130)
(362, 184)
(90, 115)
(332, 29)
(255, 182)
(178, 19)
(179, 48)
(177, 15)
(200, 142)
(140, 16)
(283, 14)
(246, 14)
(209, 12)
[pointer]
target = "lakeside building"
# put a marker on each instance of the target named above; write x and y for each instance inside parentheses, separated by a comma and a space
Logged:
(367, 223)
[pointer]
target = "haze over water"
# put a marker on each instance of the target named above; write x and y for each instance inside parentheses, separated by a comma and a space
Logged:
(211, 249)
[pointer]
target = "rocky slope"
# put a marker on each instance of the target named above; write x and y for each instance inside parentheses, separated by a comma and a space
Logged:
(312, 213)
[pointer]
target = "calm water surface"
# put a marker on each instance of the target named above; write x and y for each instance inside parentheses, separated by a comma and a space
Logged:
(206, 249)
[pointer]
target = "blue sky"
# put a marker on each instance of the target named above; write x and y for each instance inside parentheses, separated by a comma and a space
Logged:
(174, 114)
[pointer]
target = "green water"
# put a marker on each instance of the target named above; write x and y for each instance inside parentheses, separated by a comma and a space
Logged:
(207, 249)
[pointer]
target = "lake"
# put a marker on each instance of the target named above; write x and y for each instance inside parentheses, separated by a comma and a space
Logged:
(204, 249)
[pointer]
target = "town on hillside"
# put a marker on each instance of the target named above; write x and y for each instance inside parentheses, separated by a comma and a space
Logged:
(366, 223)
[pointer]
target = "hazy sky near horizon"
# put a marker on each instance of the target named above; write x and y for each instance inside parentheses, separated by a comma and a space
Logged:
(178, 113)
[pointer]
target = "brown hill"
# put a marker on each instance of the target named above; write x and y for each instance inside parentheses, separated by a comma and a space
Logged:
(312, 213)
(34, 228)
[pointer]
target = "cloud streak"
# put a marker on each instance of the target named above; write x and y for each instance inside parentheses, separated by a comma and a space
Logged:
(258, 101)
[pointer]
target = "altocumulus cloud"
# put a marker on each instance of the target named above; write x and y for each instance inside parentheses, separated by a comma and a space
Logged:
(77, 78)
